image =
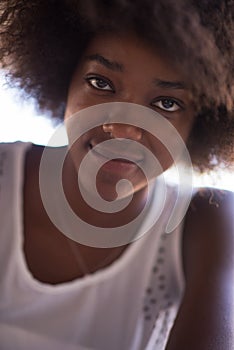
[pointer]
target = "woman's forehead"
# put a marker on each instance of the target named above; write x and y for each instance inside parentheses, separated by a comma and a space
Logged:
(123, 52)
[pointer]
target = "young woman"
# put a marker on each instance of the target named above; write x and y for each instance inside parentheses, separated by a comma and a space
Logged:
(109, 69)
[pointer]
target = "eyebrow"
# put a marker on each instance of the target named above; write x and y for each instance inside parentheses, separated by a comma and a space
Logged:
(170, 84)
(113, 65)
(118, 67)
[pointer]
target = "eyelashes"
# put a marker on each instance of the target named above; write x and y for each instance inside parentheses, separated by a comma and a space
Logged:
(164, 103)
(167, 104)
(100, 83)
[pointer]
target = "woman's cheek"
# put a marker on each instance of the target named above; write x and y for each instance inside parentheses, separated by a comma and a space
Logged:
(161, 153)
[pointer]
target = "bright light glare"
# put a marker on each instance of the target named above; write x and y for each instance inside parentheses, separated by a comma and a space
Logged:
(18, 119)
(223, 179)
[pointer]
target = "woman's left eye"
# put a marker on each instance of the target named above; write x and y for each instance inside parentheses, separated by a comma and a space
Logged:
(99, 83)
(167, 104)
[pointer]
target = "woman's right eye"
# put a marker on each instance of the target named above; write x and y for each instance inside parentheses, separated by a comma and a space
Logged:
(99, 83)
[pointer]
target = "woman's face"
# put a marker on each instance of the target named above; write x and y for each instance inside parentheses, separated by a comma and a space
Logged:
(123, 68)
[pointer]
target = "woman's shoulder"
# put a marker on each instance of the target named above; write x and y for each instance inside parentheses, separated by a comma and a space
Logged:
(34, 155)
(211, 198)
(210, 215)
(208, 256)
(209, 226)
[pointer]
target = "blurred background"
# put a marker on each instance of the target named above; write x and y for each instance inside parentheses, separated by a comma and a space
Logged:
(20, 122)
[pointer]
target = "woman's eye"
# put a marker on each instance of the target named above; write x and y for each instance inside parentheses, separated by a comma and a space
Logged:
(167, 104)
(99, 83)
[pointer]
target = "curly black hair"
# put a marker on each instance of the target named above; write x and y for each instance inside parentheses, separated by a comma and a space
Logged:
(42, 41)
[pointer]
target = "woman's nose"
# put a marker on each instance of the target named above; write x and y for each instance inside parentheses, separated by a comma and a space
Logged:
(126, 131)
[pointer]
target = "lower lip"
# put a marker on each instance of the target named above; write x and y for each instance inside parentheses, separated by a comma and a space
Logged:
(117, 166)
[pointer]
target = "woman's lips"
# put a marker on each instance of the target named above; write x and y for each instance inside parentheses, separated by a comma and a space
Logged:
(116, 162)
(119, 166)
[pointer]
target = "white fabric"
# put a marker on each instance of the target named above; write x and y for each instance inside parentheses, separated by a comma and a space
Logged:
(125, 306)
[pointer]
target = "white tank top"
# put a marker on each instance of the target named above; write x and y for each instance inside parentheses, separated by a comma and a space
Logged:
(129, 305)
